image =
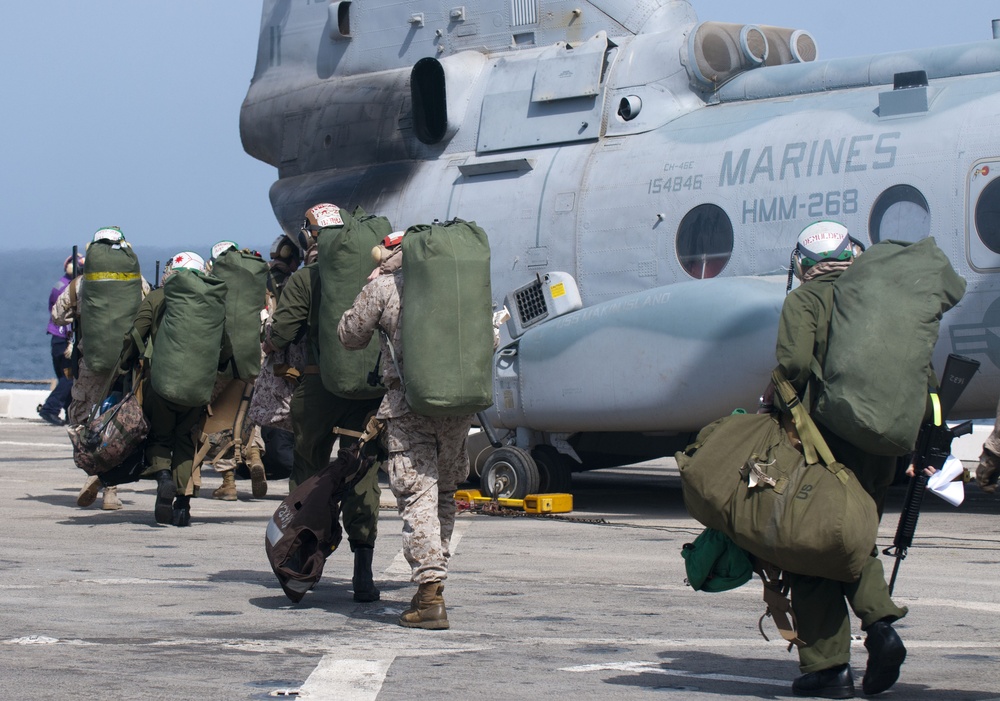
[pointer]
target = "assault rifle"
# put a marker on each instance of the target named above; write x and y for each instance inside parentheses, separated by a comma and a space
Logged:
(74, 353)
(932, 449)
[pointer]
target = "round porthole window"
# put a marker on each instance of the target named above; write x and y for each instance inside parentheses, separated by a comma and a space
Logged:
(704, 241)
(900, 213)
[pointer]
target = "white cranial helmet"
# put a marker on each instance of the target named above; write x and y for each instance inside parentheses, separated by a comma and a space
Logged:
(109, 233)
(223, 246)
(189, 260)
(822, 241)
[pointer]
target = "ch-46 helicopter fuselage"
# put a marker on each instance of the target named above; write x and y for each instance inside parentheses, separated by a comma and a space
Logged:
(642, 177)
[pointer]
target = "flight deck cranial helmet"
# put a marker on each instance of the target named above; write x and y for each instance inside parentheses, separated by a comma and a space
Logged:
(220, 248)
(319, 216)
(820, 242)
(188, 260)
(387, 246)
(111, 234)
(285, 254)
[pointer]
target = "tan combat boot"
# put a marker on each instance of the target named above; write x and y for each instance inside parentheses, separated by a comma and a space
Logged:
(88, 494)
(227, 492)
(258, 480)
(111, 500)
(427, 609)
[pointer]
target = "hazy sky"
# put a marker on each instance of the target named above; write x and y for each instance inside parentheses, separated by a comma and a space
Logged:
(124, 112)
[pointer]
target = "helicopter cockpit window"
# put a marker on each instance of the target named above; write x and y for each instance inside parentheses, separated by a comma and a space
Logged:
(988, 216)
(900, 213)
(704, 241)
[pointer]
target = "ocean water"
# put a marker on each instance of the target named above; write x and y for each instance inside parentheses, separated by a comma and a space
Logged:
(26, 278)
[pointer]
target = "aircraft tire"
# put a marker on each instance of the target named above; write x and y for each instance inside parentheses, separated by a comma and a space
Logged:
(509, 473)
(479, 449)
(554, 472)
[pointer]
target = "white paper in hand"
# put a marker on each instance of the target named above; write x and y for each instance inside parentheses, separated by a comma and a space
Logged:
(943, 484)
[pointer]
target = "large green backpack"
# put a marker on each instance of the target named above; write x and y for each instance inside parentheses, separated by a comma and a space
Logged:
(446, 317)
(345, 262)
(186, 349)
(245, 275)
(109, 297)
(887, 310)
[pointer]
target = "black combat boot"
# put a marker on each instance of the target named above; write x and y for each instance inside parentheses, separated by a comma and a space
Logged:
(165, 493)
(182, 511)
(363, 583)
(833, 683)
(886, 653)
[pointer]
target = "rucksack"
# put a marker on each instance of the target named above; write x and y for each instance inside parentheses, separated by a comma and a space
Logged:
(185, 354)
(245, 275)
(345, 261)
(109, 298)
(887, 309)
(446, 318)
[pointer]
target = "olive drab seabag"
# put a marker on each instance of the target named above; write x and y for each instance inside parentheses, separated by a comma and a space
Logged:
(345, 262)
(185, 353)
(744, 477)
(109, 297)
(446, 318)
(245, 275)
(887, 309)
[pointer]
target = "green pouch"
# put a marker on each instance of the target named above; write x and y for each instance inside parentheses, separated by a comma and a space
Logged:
(713, 562)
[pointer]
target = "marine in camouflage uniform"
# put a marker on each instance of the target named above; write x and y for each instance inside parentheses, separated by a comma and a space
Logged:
(87, 386)
(315, 412)
(427, 456)
(821, 605)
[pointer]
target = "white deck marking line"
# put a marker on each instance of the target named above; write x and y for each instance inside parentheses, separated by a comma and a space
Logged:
(361, 680)
(25, 444)
(399, 565)
(346, 680)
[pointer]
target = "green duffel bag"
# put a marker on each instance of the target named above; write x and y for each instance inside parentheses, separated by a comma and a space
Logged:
(109, 298)
(887, 309)
(245, 275)
(345, 262)
(446, 317)
(185, 357)
(743, 476)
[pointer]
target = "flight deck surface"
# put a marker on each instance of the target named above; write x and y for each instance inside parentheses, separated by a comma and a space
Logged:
(107, 604)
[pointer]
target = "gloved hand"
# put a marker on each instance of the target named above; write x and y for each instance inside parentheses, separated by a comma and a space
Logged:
(988, 471)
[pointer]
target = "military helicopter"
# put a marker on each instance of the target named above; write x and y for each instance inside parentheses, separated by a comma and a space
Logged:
(642, 176)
